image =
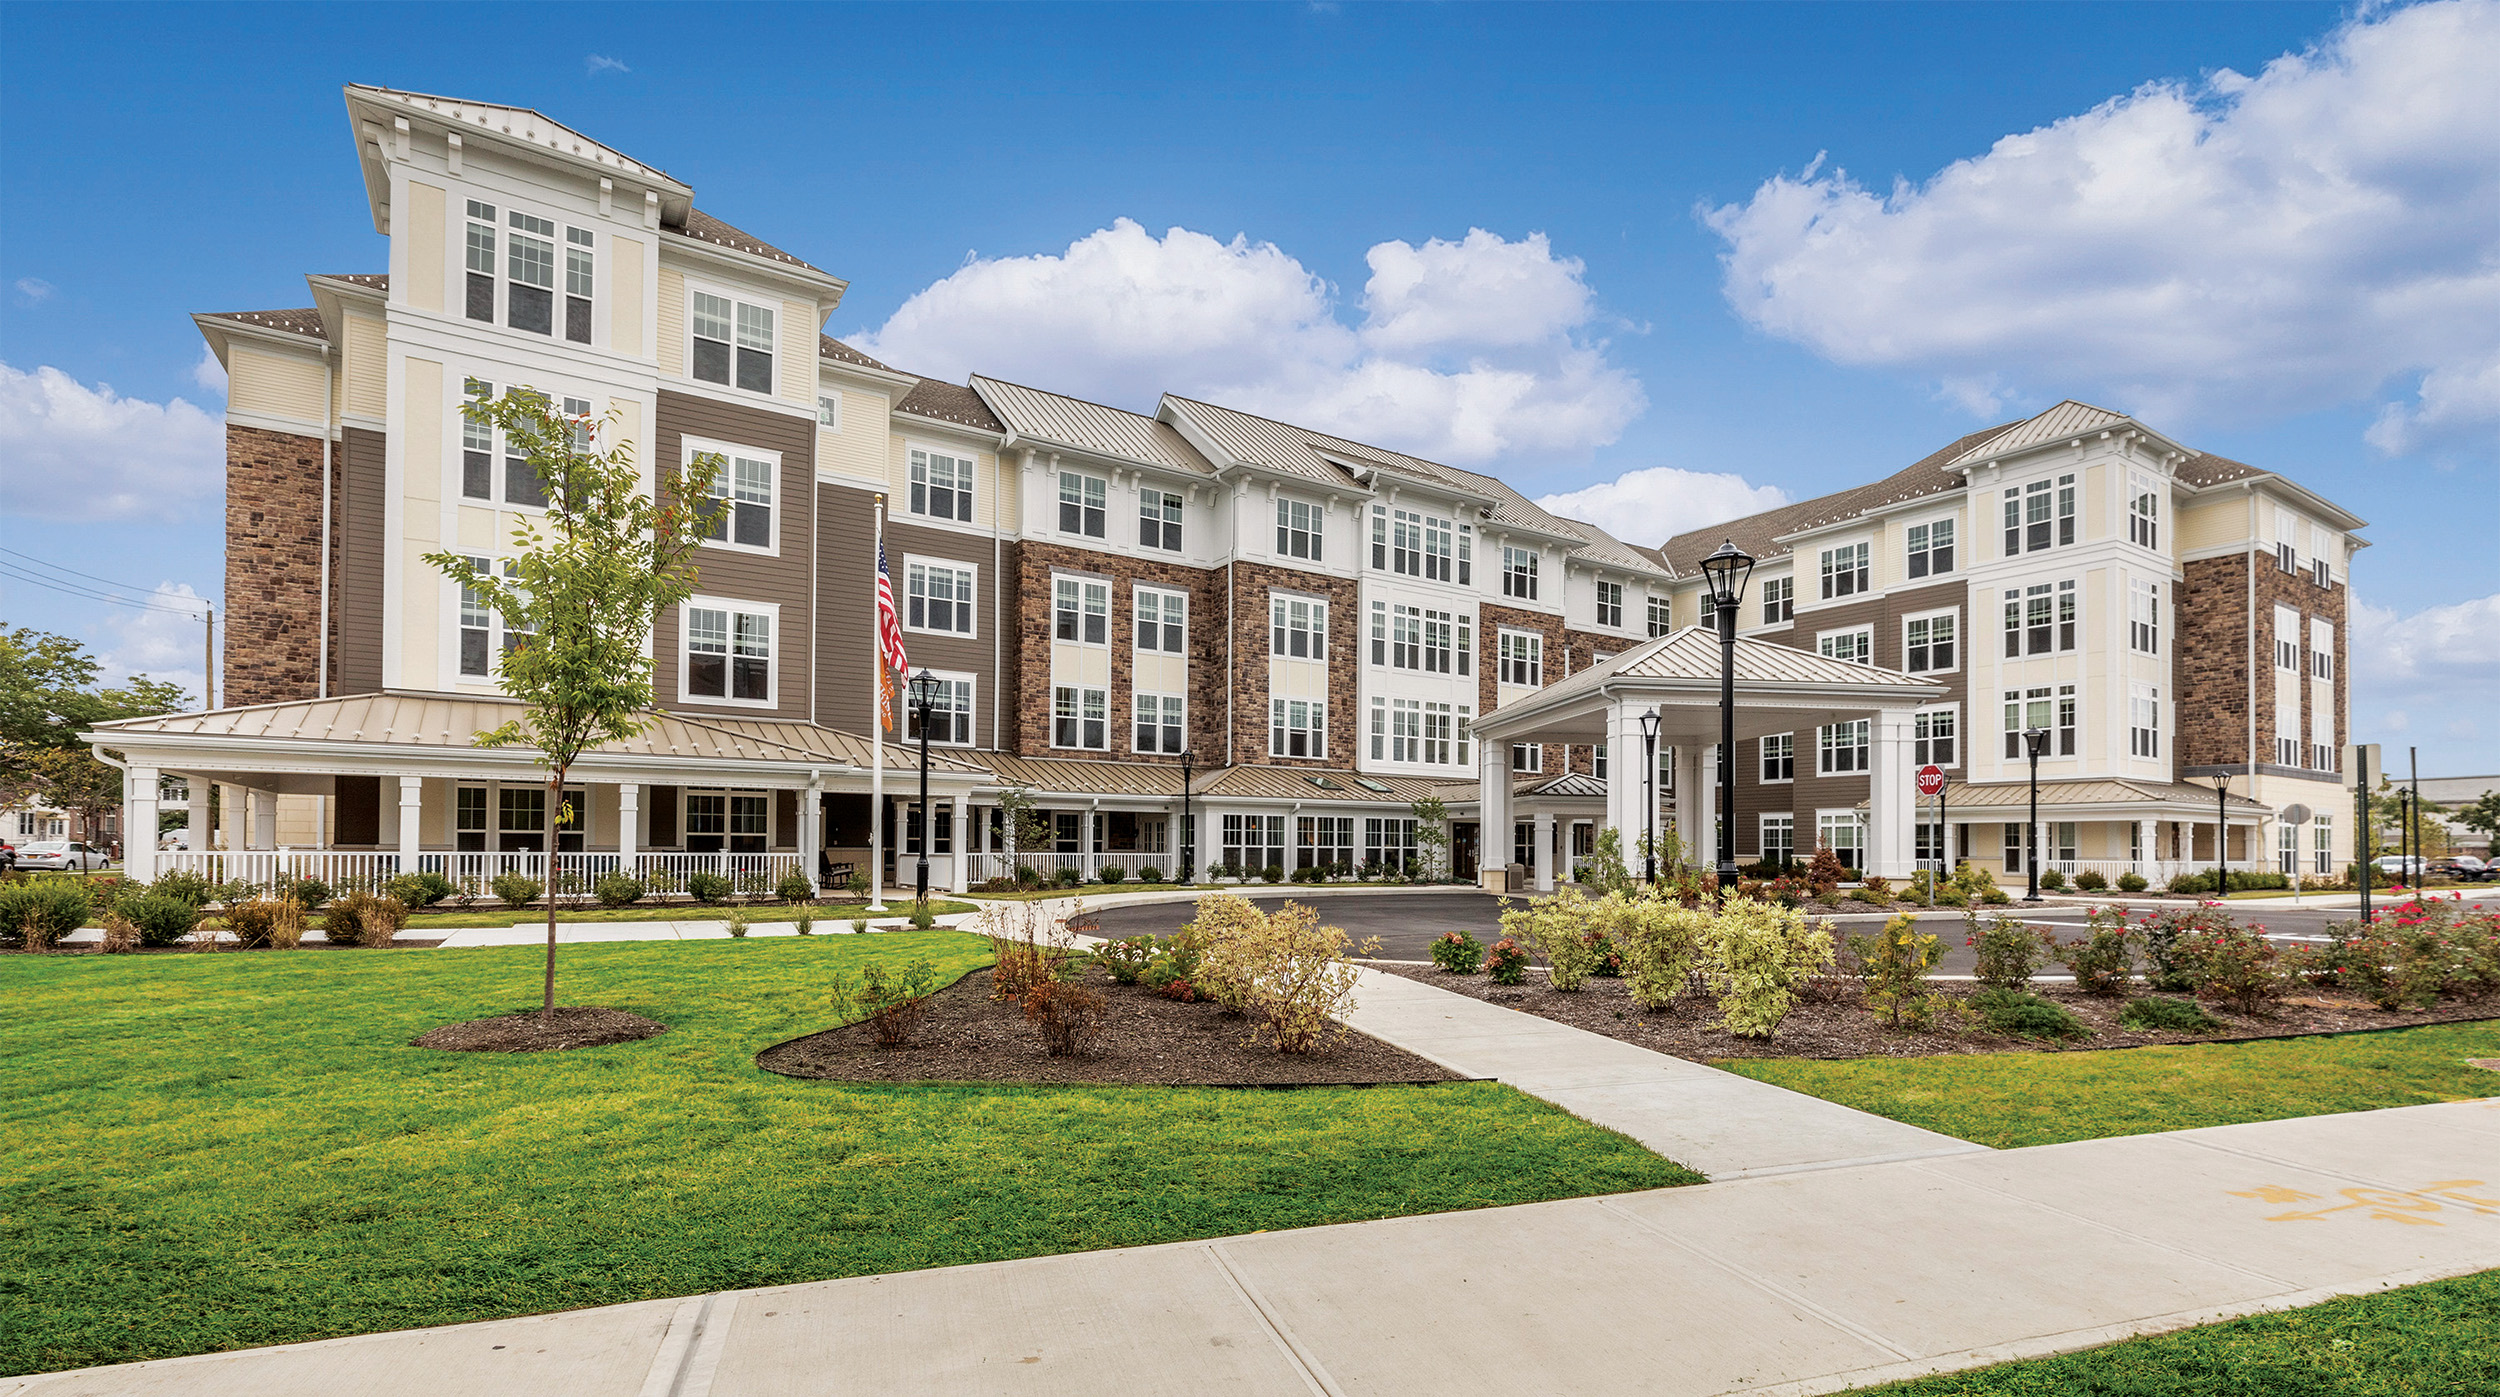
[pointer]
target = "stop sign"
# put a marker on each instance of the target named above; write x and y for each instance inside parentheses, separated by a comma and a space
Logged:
(1930, 780)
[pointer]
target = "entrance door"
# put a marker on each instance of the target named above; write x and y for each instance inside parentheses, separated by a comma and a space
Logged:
(1463, 850)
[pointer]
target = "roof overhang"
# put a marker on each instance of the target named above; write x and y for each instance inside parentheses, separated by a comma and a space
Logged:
(386, 123)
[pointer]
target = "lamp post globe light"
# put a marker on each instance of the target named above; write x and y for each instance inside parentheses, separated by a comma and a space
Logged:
(2036, 743)
(1649, 789)
(1728, 570)
(923, 691)
(1188, 832)
(2222, 835)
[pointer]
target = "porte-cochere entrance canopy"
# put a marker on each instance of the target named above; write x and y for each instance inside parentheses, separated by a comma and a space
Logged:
(1779, 689)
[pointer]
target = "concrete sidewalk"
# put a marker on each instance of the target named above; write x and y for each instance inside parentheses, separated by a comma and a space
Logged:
(1801, 1283)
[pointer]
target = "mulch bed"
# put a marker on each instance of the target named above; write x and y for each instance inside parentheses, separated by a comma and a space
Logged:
(1147, 1040)
(1842, 1027)
(90, 948)
(525, 1031)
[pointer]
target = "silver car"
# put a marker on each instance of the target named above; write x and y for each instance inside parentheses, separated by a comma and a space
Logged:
(68, 855)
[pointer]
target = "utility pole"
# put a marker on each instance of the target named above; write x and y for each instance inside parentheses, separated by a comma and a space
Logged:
(208, 669)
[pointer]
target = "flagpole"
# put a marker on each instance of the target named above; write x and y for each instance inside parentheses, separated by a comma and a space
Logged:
(876, 725)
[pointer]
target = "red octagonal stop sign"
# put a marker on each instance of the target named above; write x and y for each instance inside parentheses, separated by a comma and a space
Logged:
(1930, 780)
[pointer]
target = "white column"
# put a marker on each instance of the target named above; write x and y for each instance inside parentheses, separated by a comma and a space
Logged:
(264, 807)
(1544, 851)
(1892, 796)
(139, 823)
(628, 825)
(198, 837)
(1706, 828)
(1623, 781)
(1492, 805)
(812, 826)
(962, 856)
(411, 821)
(1689, 795)
(2146, 832)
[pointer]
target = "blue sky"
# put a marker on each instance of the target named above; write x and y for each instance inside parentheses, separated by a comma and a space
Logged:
(1693, 255)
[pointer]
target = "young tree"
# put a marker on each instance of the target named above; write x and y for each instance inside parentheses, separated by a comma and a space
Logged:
(1027, 831)
(581, 590)
(1432, 838)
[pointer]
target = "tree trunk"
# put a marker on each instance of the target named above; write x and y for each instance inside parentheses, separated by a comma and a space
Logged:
(555, 809)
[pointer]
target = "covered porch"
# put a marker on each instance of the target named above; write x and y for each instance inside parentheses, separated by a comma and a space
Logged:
(2157, 830)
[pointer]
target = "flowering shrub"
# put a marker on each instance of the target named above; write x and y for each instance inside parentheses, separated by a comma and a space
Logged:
(1507, 962)
(1290, 972)
(2235, 965)
(2102, 960)
(2416, 952)
(1762, 954)
(1893, 963)
(1458, 953)
(2164, 930)
(2009, 951)
(1126, 960)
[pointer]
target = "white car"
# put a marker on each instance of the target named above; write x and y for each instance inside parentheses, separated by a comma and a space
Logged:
(68, 855)
(2400, 865)
(174, 839)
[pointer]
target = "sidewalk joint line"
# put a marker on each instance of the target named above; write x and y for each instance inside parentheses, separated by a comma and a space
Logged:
(668, 1362)
(1846, 1326)
(2112, 1229)
(1313, 1374)
(2281, 1163)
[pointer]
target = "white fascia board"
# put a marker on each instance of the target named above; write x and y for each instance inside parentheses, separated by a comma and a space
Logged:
(2123, 427)
(895, 379)
(815, 284)
(2302, 497)
(979, 436)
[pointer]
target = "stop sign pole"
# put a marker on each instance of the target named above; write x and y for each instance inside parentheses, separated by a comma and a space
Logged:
(1931, 783)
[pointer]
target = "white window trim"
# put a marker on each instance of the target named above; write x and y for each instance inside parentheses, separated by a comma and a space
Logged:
(958, 453)
(1864, 767)
(1134, 694)
(1501, 678)
(687, 337)
(833, 400)
(1865, 632)
(772, 695)
(1791, 778)
(1164, 595)
(1953, 520)
(1083, 580)
(972, 713)
(1961, 734)
(904, 599)
(1081, 691)
(694, 446)
(1961, 640)
(1110, 510)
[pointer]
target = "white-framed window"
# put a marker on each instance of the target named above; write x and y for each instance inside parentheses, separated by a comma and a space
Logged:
(477, 442)
(1519, 569)
(1297, 728)
(2040, 707)
(1159, 519)
(2040, 619)
(738, 509)
(1844, 570)
(1419, 545)
(1935, 736)
(1084, 504)
(1418, 638)
(941, 485)
(530, 267)
(1162, 620)
(2039, 515)
(2321, 648)
(480, 624)
(2322, 842)
(1844, 834)
(480, 298)
(2287, 751)
(950, 718)
(829, 411)
(939, 596)
(1855, 645)
(1323, 841)
(2321, 548)
(728, 650)
(1522, 658)
(1080, 611)
(1929, 643)
(1661, 616)
(1162, 722)
(522, 486)
(1779, 757)
(1080, 717)
(2144, 720)
(1841, 748)
(1931, 548)
(1610, 604)
(1300, 529)
(1389, 842)
(1254, 842)
(1297, 626)
(1527, 757)
(2144, 617)
(1779, 839)
(730, 342)
(1779, 600)
(2143, 512)
(2287, 639)
(2286, 541)
(581, 277)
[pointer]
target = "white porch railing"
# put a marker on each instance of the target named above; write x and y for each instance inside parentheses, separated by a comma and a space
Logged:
(1087, 866)
(749, 875)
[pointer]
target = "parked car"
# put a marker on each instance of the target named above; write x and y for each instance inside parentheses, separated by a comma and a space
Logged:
(8, 857)
(174, 839)
(2405, 866)
(66, 855)
(2465, 868)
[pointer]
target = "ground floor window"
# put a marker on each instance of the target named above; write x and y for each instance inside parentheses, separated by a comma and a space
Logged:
(1779, 838)
(469, 820)
(944, 841)
(1523, 844)
(1254, 842)
(731, 821)
(1390, 843)
(1323, 841)
(1844, 836)
(2014, 847)
(1067, 832)
(2287, 847)
(1930, 842)
(2322, 842)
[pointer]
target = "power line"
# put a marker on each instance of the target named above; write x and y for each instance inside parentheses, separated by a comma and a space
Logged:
(91, 577)
(8, 569)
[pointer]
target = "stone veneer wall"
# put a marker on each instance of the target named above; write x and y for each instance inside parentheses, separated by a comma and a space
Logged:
(2296, 590)
(272, 649)
(1251, 584)
(1491, 620)
(2209, 665)
(1029, 647)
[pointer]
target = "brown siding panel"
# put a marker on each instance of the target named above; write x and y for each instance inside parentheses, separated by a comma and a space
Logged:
(356, 577)
(726, 573)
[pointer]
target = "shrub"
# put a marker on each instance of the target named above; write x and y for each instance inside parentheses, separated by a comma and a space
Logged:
(1126, 959)
(1870, 896)
(468, 888)
(858, 882)
(1825, 873)
(1290, 971)
(160, 920)
(921, 917)
(1029, 947)
(120, 937)
(2018, 1014)
(1894, 963)
(894, 1004)
(1606, 962)
(40, 912)
(1113, 873)
(735, 923)
(1069, 1016)
(1150, 874)
(753, 884)
(306, 893)
(1457, 953)
(2091, 881)
(619, 890)
(2163, 931)
(362, 919)
(2132, 883)
(190, 887)
(270, 921)
(708, 887)
(2234, 965)
(859, 926)
(2053, 880)
(419, 890)
(805, 922)
(1272, 874)
(2167, 1016)
(1557, 928)
(234, 890)
(1660, 942)
(795, 887)
(1973, 881)
(1068, 878)
(1506, 963)
(2102, 960)
(1763, 954)
(516, 889)
(2009, 952)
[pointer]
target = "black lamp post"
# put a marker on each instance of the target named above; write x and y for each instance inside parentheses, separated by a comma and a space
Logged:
(1728, 569)
(1189, 832)
(1649, 788)
(2222, 835)
(923, 689)
(2035, 742)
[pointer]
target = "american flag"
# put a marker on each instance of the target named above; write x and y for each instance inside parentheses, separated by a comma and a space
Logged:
(889, 641)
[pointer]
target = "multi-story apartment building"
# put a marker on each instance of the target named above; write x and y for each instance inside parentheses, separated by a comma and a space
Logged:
(1316, 627)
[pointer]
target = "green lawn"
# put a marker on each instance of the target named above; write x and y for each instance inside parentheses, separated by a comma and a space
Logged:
(214, 1151)
(2012, 1099)
(830, 916)
(2439, 1339)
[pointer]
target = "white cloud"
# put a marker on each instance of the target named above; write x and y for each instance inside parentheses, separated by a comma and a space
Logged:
(208, 373)
(76, 452)
(35, 289)
(165, 645)
(2429, 678)
(2325, 232)
(1652, 505)
(1472, 352)
(597, 63)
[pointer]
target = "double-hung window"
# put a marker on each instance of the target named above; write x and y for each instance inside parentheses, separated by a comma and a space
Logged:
(2143, 512)
(950, 718)
(1522, 659)
(2144, 617)
(1159, 520)
(1779, 600)
(940, 597)
(2321, 649)
(1842, 748)
(941, 485)
(1519, 572)
(1083, 504)
(1527, 757)
(1160, 723)
(580, 277)
(1081, 611)
(2040, 619)
(2144, 721)
(1931, 548)
(2040, 707)
(733, 341)
(1661, 616)
(478, 624)
(2039, 515)
(1844, 570)
(2322, 842)
(1299, 529)
(1254, 842)
(738, 509)
(1856, 646)
(1779, 839)
(1779, 757)
(1934, 734)
(530, 259)
(729, 653)
(480, 300)
(1297, 728)
(1413, 544)
(1397, 730)
(2287, 640)
(1298, 627)
(1408, 637)
(1610, 604)
(1927, 643)
(521, 482)
(2321, 545)
(1162, 620)
(477, 442)
(1389, 842)
(2286, 541)
(1080, 718)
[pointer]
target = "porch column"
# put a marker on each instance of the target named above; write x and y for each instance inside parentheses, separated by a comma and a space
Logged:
(264, 804)
(1707, 830)
(1891, 798)
(1623, 781)
(411, 821)
(1690, 792)
(962, 881)
(1492, 804)
(139, 823)
(1544, 851)
(197, 839)
(2145, 832)
(812, 826)
(628, 826)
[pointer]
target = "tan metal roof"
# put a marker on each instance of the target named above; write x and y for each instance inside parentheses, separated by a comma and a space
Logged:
(1104, 431)
(1303, 783)
(1570, 783)
(1760, 534)
(1691, 655)
(2067, 419)
(2016, 795)
(1064, 775)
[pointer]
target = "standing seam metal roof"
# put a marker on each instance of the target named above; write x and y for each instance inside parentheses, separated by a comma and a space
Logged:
(1105, 431)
